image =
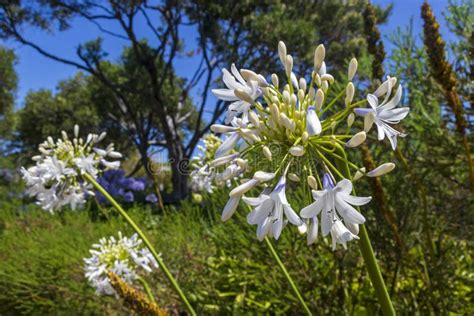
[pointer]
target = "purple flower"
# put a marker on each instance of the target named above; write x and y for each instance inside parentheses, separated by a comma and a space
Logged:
(128, 197)
(151, 198)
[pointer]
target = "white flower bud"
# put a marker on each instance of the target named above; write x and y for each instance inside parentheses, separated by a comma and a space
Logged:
(302, 229)
(76, 131)
(350, 90)
(304, 137)
(325, 86)
(243, 188)
(296, 151)
(282, 52)
(267, 153)
(319, 55)
(275, 80)
(241, 163)
(301, 95)
(318, 103)
(381, 170)
(327, 77)
(253, 117)
(312, 182)
(223, 160)
(286, 97)
(369, 121)
(288, 65)
(293, 177)
(294, 81)
(64, 135)
(311, 93)
(303, 84)
(352, 69)
(359, 174)
(218, 128)
(350, 119)
(114, 154)
(263, 176)
(244, 96)
(357, 139)
(250, 75)
(293, 100)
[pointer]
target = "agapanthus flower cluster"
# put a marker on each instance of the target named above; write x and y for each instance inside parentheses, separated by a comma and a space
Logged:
(125, 257)
(117, 184)
(294, 135)
(208, 174)
(56, 178)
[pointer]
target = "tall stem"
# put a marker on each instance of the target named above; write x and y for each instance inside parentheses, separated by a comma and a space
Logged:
(374, 272)
(369, 258)
(140, 233)
(287, 275)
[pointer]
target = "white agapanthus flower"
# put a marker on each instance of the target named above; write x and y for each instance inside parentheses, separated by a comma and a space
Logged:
(333, 202)
(270, 211)
(385, 114)
(56, 180)
(234, 82)
(282, 127)
(126, 257)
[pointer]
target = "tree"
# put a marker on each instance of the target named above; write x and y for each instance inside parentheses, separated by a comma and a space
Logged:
(251, 31)
(8, 86)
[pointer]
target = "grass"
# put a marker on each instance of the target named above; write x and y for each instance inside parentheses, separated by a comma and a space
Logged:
(222, 267)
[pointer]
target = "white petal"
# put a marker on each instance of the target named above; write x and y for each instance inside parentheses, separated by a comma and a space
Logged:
(225, 94)
(230, 207)
(291, 215)
(381, 131)
(344, 186)
(313, 125)
(313, 209)
(373, 101)
(394, 101)
(355, 200)
(227, 145)
(326, 222)
(313, 231)
(381, 170)
(241, 189)
(252, 201)
(263, 176)
(349, 213)
(394, 116)
(260, 213)
(237, 75)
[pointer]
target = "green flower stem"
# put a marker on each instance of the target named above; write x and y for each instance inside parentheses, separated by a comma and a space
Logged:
(370, 260)
(130, 221)
(147, 289)
(287, 275)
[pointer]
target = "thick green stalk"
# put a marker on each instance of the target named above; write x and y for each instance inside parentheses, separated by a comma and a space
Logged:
(287, 275)
(140, 233)
(369, 258)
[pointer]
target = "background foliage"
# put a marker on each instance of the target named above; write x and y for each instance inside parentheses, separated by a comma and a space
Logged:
(425, 247)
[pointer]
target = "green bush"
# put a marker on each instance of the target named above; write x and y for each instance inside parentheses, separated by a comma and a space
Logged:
(222, 267)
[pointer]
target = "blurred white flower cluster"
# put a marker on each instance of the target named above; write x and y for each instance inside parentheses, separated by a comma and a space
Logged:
(124, 256)
(55, 180)
(300, 131)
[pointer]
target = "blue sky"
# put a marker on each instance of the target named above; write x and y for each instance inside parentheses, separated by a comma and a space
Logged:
(36, 72)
